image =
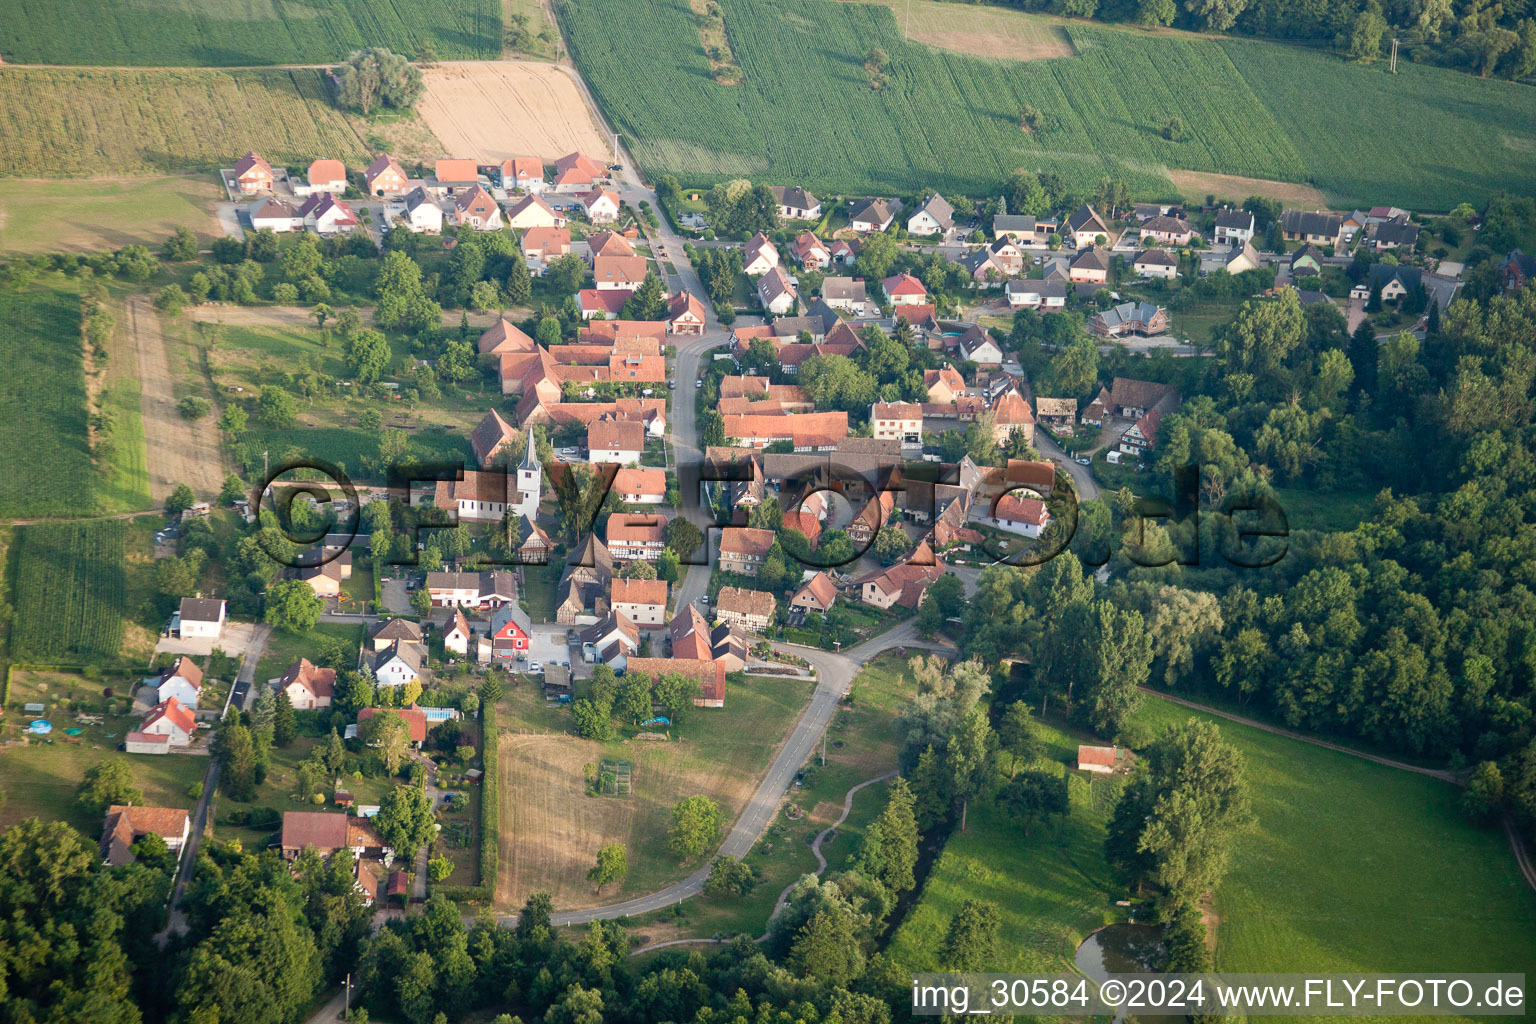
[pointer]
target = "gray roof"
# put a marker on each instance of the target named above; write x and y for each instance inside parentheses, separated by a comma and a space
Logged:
(511, 613)
(1013, 222)
(1397, 232)
(791, 326)
(876, 210)
(939, 209)
(794, 197)
(1156, 257)
(847, 288)
(1086, 218)
(1226, 217)
(201, 609)
(1307, 222)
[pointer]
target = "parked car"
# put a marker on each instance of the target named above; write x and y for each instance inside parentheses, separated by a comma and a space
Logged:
(535, 668)
(671, 385)
(698, 384)
(1083, 460)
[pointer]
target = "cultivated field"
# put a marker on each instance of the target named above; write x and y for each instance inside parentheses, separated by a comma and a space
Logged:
(980, 31)
(551, 830)
(132, 123)
(1256, 110)
(1353, 867)
(177, 451)
(45, 464)
(1196, 185)
(69, 590)
(504, 109)
(233, 33)
(42, 215)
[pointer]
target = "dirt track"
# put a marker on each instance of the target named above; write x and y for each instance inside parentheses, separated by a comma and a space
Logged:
(176, 450)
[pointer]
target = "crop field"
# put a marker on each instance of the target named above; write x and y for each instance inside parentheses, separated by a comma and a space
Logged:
(233, 33)
(805, 111)
(49, 215)
(983, 31)
(69, 589)
(56, 123)
(45, 464)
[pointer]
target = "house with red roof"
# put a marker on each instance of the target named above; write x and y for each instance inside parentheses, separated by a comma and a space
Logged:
(181, 679)
(414, 718)
(475, 207)
(816, 594)
(253, 174)
(125, 824)
(171, 719)
(685, 314)
(327, 176)
(326, 215)
(523, 172)
(1015, 513)
(308, 687)
(904, 290)
(602, 206)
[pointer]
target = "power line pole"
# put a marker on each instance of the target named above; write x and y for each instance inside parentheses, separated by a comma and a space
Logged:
(1394, 55)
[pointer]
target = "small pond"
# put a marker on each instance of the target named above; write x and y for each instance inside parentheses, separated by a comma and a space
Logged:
(1124, 949)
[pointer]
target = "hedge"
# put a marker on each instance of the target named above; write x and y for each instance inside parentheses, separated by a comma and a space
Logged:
(489, 812)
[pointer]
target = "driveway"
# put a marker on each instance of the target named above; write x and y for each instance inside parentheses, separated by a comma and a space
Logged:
(236, 637)
(397, 600)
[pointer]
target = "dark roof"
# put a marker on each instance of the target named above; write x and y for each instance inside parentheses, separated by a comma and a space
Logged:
(1226, 217)
(793, 196)
(1307, 222)
(396, 629)
(201, 609)
(1086, 218)
(1398, 232)
(1382, 273)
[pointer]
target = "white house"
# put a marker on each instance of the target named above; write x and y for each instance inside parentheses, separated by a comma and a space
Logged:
(326, 215)
(643, 602)
(1013, 514)
(327, 176)
(977, 346)
(601, 205)
(615, 441)
(276, 215)
(934, 217)
(870, 215)
(457, 636)
(795, 203)
(845, 293)
(897, 421)
(1233, 227)
(777, 292)
(419, 212)
(758, 256)
(395, 665)
(533, 212)
(1156, 263)
(641, 486)
(904, 290)
(308, 687)
(198, 617)
(171, 720)
(181, 679)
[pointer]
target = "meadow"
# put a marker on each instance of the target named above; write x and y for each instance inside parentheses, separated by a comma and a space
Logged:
(1352, 867)
(48, 215)
(232, 33)
(45, 466)
(70, 582)
(806, 113)
(78, 123)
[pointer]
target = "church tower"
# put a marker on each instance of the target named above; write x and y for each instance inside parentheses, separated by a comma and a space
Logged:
(530, 483)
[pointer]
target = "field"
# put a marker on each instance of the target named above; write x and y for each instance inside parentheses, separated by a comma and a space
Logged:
(41, 779)
(69, 590)
(1196, 185)
(1251, 109)
(45, 465)
(509, 108)
(551, 830)
(1353, 867)
(229, 33)
(981, 31)
(131, 123)
(50, 216)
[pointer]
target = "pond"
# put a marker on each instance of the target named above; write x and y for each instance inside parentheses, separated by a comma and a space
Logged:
(1124, 949)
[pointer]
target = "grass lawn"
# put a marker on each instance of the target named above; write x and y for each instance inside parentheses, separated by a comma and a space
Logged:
(49, 216)
(124, 484)
(1353, 867)
(540, 583)
(1200, 323)
(41, 778)
(552, 829)
(862, 742)
(1333, 511)
(283, 647)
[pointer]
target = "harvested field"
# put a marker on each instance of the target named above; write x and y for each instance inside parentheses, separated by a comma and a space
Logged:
(1196, 185)
(39, 215)
(503, 109)
(980, 31)
(178, 452)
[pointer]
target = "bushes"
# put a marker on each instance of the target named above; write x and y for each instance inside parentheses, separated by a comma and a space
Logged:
(489, 818)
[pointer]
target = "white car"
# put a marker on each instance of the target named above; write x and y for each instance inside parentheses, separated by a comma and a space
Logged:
(535, 668)
(698, 384)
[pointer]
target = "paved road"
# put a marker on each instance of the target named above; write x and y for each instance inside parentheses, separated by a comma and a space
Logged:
(1082, 476)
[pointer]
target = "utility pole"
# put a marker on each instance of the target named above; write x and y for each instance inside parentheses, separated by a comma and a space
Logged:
(349, 994)
(1394, 55)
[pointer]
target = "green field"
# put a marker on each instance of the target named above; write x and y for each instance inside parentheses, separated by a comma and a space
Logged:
(69, 586)
(356, 451)
(45, 464)
(806, 113)
(229, 33)
(53, 215)
(1353, 867)
(41, 779)
(127, 123)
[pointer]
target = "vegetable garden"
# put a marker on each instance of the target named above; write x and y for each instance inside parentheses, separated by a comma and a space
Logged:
(69, 589)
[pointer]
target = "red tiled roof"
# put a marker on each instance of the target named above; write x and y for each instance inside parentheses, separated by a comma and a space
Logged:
(325, 172)
(608, 300)
(457, 170)
(631, 480)
(173, 710)
(319, 681)
(320, 829)
(627, 591)
(616, 436)
(1020, 510)
(1104, 756)
(820, 587)
(413, 716)
(710, 675)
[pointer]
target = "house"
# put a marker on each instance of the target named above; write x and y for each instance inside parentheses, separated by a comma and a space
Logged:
(470, 590)
(758, 256)
(384, 177)
(1131, 399)
(420, 212)
(776, 292)
(905, 583)
(1233, 227)
(523, 172)
(689, 636)
(1013, 513)
(482, 496)
(181, 679)
(934, 217)
(1098, 759)
(897, 421)
(1156, 263)
(1007, 256)
(636, 536)
(868, 215)
(1392, 234)
(1237, 260)
(1516, 269)
(1139, 318)
(533, 544)
(583, 590)
(944, 384)
(604, 305)
(395, 665)
(642, 602)
(640, 486)
(611, 641)
(805, 431)
(576, 172)
(981, 266)
(326, 215)
(198, 617)
(608, 243)
(326, 832)
(747, 610)
(869, 519)
(729, 648)
(253, 174)
(327, 176)
(325, 580)
(810, 253)
(1036, 474)
(742, 549)
(1086, 228)
(1306, 262)
(171, 719)
(615, 440)
(816, 594)
(707, 673)
(511, 632)
(491, 437)
(614, 273)
(1325, 230)
(976, 345)
(542, 245)
(1024, 228)
(1091, 266)
(1056, 413)
(795, 203)
(382, 634)
(457, 636)
(452, 176)
(365, 881)
(1011, 412)
(504, 336)
(904, 290)
(602, 206)
(475, 207)
(1168, 231)
(276, 215)
(1050, 293)
(308, 687)
(685, 314)
(125, 824)
(531, 211)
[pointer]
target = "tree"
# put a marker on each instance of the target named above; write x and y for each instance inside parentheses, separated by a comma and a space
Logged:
(1484, 796)
(968, 758)
(277, 408)
(827, 947)
(891, 543)
(1016, 736)
(888, 853)
(612, 865)
(181, 246)
(367, 354)
(592, 720)
(695, 827)
(1034, 796)
(293, 605)
(1156, 12)
(284, 725)
(405, 820)
(577, 1006)
(236, 755)
(171, 300)
(519, 288)
(439, 868)
(1216, 15)
(1173, 129)
(390, 735)
(648, 302)
(377, 76)
(683, 538)
(232, 422)
(729, 877)
(180, 499)
(106, 783)
(877, 256)
(970, 943)
(402, 297)
(1365, 34)
(634, 700)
